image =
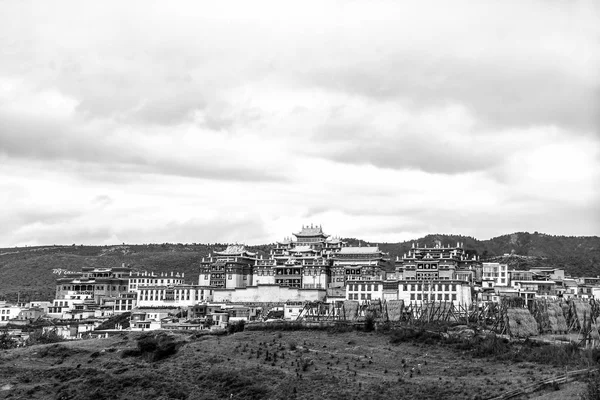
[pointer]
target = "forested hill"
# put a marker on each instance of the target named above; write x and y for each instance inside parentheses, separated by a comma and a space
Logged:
(578, 255)
(29, 270)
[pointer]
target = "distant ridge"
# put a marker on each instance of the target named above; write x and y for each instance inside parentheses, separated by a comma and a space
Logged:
(28, 270)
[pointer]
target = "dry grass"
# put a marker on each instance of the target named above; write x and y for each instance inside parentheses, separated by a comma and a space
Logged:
(262, 365)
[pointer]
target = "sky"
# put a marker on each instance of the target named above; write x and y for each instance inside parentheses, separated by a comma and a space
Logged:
(241, 121)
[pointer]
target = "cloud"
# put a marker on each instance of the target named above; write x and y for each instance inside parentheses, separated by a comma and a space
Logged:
(239, 121)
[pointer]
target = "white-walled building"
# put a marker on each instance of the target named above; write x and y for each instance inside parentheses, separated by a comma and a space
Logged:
(364, 290)
(267, 294)
(495, 273)
(141, 279)
(173, 296)
(292, 309)
(71, 300)
(418, 292)
(8, 312)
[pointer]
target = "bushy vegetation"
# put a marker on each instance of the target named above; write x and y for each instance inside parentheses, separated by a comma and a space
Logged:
(153, 346)
(593, 387)
(41, 337)
(112, 322)
(501, 349)
(236, 326)
(6, 341)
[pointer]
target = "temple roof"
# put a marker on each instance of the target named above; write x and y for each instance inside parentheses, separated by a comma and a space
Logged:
(311, 231)
(234, 250)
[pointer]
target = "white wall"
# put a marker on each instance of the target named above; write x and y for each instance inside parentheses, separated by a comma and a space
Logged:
(457, 292)
(267, 294)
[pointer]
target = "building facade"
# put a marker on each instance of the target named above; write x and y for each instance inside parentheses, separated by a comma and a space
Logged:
(358, 264)
(437, 263)
(302, 263)
(228, 269)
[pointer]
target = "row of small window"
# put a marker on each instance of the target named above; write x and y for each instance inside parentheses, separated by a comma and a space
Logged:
(3, 312)
(446, 287)
(124, 308)
(152, 298)
(427, 297)
(155, 281)
(427, 266)
(362, 287)
(97, 287)
(493, 274)
(363, 296)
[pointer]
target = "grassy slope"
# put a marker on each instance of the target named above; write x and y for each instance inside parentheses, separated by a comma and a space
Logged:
(262, 365)
(29, 270)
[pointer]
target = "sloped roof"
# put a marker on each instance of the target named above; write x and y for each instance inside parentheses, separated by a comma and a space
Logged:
(311, 231)
(234, 250)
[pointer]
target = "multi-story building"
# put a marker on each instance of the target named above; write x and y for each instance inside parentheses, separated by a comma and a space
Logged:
(418, 292)
(357, 263)
(228, 269)
(494, 274)
(437, 263)
(173, 296)
(8, 312)
(364, 290)
(138, 279)
(302, 263)
(98, 283)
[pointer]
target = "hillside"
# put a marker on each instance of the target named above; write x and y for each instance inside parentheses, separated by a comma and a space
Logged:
(253, 365)
(578, 255)
(28, 271)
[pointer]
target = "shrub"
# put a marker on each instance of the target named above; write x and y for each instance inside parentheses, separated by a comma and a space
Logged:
(369, 323)
(593, 387)
(40, 337)
(7, 342)
(237, 326)
(154, 346)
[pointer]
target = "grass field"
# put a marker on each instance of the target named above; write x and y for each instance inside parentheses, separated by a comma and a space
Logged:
(259, 365)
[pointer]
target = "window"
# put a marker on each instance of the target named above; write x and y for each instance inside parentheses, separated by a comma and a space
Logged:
(368, 288)
(453, 296)
(418, 296)
(454, 287)
(368, 296)
(362, 287)
(446, 297)
(405, 288)
(362, 296)
(412, 296)
(375, 287)
(439, 296)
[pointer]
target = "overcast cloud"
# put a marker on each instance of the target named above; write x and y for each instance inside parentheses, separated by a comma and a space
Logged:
(240, 121)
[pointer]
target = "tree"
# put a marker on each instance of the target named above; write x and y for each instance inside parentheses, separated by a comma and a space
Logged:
(6, 341)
